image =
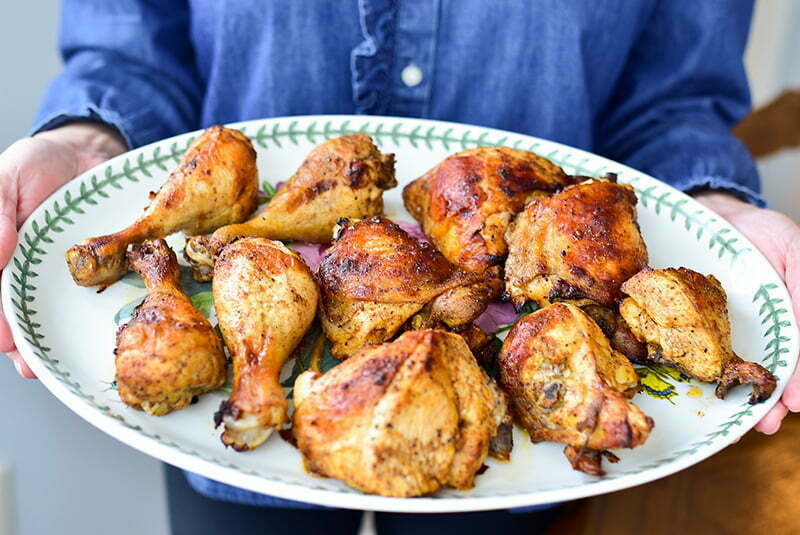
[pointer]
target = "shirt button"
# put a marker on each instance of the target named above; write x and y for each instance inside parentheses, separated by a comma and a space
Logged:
(411, 75)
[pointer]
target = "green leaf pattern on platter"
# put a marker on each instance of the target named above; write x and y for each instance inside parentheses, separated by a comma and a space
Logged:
(90, 190)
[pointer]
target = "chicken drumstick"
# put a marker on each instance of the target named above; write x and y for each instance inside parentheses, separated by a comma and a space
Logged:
(266, 299)
(168, 353)
(216, 184)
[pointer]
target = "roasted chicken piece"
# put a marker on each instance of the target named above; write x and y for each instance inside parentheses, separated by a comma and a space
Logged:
(682, 315)
(465, 203)
(403, 419)
(618, 332)
(567, 384)
(579, 246)
(168, 353)
(265, 298)
(344, 177)
(375, 277)
(215, 184)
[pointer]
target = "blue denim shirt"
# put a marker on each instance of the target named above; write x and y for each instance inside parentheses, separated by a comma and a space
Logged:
(656, 84)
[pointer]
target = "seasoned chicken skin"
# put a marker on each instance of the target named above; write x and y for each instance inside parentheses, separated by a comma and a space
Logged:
(566, 384)
(344, 177)
(465, 203)
(168, 353)
(375, 277)
(682, 315)
(215, 184)
(403, 419)
(579, 246)
(265, 299)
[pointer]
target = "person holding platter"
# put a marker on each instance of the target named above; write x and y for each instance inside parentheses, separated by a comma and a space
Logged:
(653, 84)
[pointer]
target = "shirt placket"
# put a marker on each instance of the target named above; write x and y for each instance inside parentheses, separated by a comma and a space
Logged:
(412, 70)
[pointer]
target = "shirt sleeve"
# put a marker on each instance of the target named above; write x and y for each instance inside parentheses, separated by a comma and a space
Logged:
(128, 63)
(682, 90)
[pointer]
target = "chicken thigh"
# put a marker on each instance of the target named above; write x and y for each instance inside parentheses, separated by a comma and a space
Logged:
(265, 299)
(375, 277)
(168, 353)
(579, 246)
(566, 384)
(344, 177)
(403, 419)
(216, 184)
(682, 315)
(466, 202)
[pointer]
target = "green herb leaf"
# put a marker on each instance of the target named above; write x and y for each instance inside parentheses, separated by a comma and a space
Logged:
(304, 354)
(127, 310)
(204, 302)
(268, 190)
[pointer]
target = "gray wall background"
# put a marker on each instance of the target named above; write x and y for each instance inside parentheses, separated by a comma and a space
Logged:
(68, 478)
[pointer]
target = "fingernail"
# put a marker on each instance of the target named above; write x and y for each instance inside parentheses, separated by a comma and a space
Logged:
(18, 366)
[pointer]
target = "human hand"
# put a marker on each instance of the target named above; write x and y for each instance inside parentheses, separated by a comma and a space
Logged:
(33, 168)
(778, 239)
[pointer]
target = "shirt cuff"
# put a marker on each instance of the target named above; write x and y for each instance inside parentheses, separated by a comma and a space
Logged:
(226, 493)
(694, 185)
(88, 113)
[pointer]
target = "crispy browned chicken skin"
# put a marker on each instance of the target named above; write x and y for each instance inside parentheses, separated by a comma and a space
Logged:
(579, 246)
(466, 202)
(682, 315)
(168, 353)
(266, 299)
(404, 418)
(375, 277)
(566, 384)
(344, 177)
(215, 184)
